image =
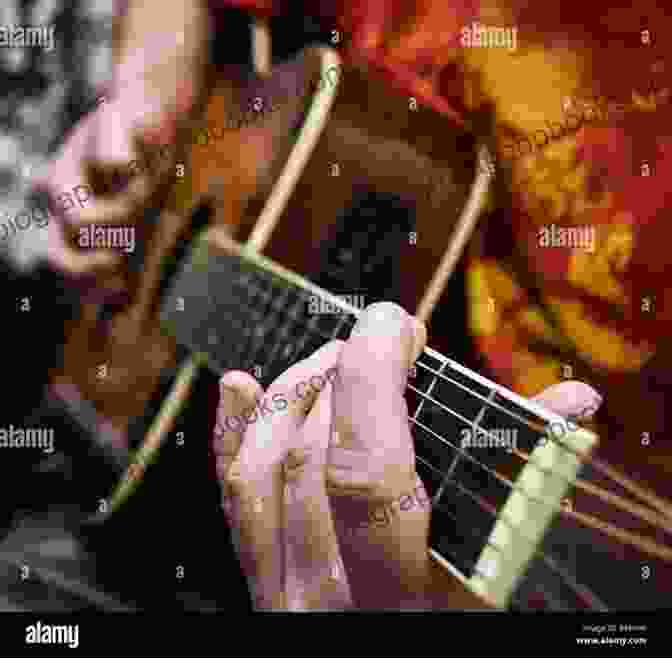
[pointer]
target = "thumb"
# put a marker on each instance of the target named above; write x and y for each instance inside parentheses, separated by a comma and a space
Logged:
(570, 399)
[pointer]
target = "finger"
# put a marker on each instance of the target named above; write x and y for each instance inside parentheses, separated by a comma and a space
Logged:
(374, 364)
(571, 399)
(133, 184)
(113, 142)
(370, 413)
(274, 431)
(306, 379)
(304, 467)
(314, 574)
(124, 168)
(147, 162)
(62, 257)
(295, 463)
(258, 506)
(120, 125)
(238, 392)
(120, 209)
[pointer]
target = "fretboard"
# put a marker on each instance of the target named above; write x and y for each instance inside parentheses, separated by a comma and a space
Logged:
(490, 509)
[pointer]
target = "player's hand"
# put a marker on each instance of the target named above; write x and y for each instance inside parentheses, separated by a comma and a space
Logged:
(113, 163)
(371, 474)
(271, 449)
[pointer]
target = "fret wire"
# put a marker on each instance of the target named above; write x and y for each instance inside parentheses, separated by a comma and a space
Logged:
(337, 329)
(311, 328)
(470, 564)
(457, 414)
(470, 530)
(566, 447)
(296, 319)
(550, 562)
(494, 405)
(563, 574)
(512, 486)
(299, 321)
(284, 327)
(345, 316)
(541, 430)
(474, 424)
(308, 326)
(438, 374)
(453, 413)
(320, 333)
(443, 407)
(264, 291)
(482, 411)
(455, 517)
(492, 472)
(456, 459)
(466, 455)
(579, 589)
(426, 396)
(278, 310)
(445, 362)
(429, 390)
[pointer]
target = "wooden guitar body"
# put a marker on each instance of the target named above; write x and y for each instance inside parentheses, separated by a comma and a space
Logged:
(233, 171)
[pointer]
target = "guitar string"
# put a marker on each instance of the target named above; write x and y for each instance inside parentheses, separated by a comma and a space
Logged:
(437, 374)
(334, 335)
(303, 297)
(470, 564)
(617, 501)
(584, 456)
(580, 590)
(656, 502)
(643, 544)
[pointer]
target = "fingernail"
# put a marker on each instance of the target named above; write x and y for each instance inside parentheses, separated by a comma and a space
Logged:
(378, 318)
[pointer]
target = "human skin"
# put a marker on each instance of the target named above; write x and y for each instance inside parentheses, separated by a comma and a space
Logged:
(340, 460)
(160, 57)
(285, 449)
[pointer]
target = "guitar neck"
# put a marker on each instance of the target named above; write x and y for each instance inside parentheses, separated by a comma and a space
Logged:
(241, 310)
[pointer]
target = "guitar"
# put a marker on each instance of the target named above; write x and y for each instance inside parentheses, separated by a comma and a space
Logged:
(501, 524)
